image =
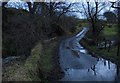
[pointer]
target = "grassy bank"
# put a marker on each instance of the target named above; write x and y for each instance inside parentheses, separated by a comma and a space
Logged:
(96, 52)
(24, 70)
(110, 54)
(49, 62)
(109, 32)
(41, 65)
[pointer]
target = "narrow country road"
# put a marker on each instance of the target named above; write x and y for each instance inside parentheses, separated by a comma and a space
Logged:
(78, 65)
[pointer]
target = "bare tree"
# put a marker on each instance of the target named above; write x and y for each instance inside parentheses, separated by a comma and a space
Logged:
(92, 10)
(32, 7)
(63, 10)
(58, 9)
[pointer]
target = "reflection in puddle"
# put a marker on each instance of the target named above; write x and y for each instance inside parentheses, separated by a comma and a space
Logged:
(85, 68)
(103, 71)
(83, 51)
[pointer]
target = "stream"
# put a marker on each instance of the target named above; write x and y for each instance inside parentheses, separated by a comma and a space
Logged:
(84, 67)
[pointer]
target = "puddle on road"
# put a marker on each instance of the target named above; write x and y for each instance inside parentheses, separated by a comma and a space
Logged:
(103, 71)
(83, 51)
(79, 69)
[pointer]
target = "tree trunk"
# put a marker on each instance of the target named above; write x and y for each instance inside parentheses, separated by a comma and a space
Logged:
(117, 71)
(93, 29)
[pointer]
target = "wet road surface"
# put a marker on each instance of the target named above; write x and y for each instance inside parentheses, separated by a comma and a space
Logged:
(78, 65)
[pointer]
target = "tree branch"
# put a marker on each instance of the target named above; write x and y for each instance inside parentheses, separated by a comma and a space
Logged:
(113, 5)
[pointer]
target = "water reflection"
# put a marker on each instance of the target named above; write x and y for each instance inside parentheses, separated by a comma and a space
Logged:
(85, 68)
(109, 64)
(103, 71)
(117, 78)
(104, 62)
(83, 51)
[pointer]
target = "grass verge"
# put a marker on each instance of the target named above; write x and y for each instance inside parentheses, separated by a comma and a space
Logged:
(49, 63)
(41, 65)
(24, 70)
(109, 33)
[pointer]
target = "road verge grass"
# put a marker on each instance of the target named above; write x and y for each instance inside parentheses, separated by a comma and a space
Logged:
(24, 70)
(41, 65)
(109, 34)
